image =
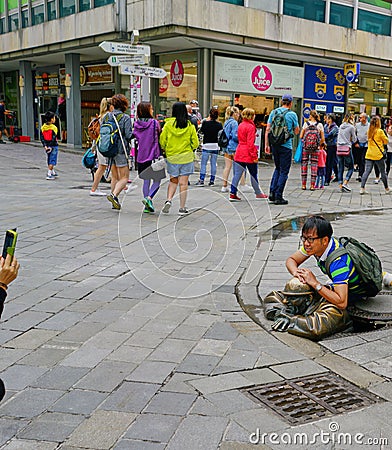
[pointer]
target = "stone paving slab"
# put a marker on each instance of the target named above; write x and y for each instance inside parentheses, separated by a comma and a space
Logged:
(121, 366)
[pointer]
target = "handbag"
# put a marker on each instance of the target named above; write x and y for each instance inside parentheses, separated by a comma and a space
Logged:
(343, 150)
(384, 153)
(298, 152)
(158, 164)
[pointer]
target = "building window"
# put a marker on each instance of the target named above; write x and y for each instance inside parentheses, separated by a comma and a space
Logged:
(341, 15)
(379, 3)
(52, 15)
(306, 9)
(98, 3)
(234, 2)
(25, 18)
(374, 23)
(84, 5)
(2, 25)
(13, 22)
(67, 7)
(37, 15)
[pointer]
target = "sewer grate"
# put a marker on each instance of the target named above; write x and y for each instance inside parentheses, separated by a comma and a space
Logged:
(306, 399)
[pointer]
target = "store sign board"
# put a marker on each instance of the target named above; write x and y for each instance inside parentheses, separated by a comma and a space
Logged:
(121, 48)
(94, 74)
(351, 71)
(116, 60)
(324, 83)
(142, 71)
(257, 77)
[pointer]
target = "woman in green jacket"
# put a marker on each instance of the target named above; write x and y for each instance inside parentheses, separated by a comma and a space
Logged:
(178, 140)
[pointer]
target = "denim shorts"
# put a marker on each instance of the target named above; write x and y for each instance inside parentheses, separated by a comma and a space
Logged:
(228, 151)
(179, 170)
(120, 160)
(52, 156)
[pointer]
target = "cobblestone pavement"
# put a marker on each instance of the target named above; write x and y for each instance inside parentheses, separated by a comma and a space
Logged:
(124, 331)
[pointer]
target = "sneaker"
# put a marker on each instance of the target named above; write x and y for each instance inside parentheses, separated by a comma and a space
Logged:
(166, 207)
(387, 279)
(358, 179)
(211, 183)
(280, 201)
(246, 188)
(376, 181)
(362, 191)
(258, 196)
(114, 201)
(130, 188)
(55, 174)
(388, 191)
(234, 198)
(49, 176)
(225, 189)
(271, 198)
(146, 210)
(147, 202)
(2, 142)
(183, 212)
(97, 193)
(199, 183)
(346, 187)
(304, 187)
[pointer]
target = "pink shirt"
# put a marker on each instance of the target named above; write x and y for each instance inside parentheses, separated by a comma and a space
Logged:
(322, 158)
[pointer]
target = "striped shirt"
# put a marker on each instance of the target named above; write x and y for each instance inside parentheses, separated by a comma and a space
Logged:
(342, 268)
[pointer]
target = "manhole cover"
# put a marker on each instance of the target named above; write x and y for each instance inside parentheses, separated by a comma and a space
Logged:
(306, 399)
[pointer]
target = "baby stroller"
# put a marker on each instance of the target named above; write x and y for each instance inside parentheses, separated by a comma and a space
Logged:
(14, 132)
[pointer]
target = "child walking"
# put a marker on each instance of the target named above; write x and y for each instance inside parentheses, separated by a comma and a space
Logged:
(321, 168)
(48, 136)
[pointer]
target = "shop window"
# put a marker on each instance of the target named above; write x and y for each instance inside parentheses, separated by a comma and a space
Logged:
(180, 84)
(84, 5)
(341, 15)
(37, 15)
(374, 23)
(2, 25)
(25, 18)
(52, 14)
(306, 9)
(13, 22)
(98, 3)
(234, 2)
(379, 3)
(67, 7)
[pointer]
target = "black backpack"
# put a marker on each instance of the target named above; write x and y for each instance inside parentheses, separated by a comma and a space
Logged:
(279, 133)
(365, 260)
(223, 140)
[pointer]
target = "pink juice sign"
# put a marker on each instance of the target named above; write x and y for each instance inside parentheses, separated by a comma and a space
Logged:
(261, 78)
(176, 73)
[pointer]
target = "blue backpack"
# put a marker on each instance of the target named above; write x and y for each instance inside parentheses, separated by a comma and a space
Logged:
(109, 135)
(89, 159)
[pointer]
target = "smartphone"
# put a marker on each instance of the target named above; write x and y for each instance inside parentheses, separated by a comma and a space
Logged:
(9, 243)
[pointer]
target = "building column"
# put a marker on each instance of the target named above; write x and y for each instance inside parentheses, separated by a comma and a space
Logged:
(26, 98)
(73, 99)
(204, 84)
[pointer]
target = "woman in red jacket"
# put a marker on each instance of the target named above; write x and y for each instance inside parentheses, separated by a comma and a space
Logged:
(246, 156)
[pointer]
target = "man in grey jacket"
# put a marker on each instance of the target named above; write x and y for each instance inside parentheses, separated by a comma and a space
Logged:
(360, 147)
(346, 137)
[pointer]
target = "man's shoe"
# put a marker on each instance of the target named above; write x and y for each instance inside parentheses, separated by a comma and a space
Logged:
(183, 212)
(281, 201)
(259, 196)
(97, 193)
(166, 207)
(199, 183)
(211, 183)
(114, 201)
(234, 198)
(358, 179)
(271, 198)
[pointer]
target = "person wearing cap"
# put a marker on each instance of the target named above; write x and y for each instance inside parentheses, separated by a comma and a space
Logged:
(3, 112)
(282, 154)
(301, 311)
(195, 109)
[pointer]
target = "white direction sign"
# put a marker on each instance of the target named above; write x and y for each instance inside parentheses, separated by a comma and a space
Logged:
(124, 49)
(142, 71)
(116, 60)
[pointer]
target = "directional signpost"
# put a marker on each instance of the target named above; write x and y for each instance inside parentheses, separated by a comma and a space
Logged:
(119, 48)
(116, 60)
(142, 71)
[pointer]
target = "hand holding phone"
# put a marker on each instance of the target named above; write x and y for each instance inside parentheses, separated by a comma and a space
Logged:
(8, 271)
(9, 243)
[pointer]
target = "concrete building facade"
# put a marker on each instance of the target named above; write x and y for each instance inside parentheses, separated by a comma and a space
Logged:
(219, 52)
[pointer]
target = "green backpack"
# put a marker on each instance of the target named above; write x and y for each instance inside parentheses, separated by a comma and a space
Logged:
(365, 260)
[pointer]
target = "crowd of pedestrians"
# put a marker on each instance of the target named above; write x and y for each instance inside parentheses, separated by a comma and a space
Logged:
(332, 152)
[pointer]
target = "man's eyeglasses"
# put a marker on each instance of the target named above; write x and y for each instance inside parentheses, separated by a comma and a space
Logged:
(309, 239)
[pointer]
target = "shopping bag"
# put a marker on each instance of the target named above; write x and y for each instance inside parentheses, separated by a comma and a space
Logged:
(298, 153)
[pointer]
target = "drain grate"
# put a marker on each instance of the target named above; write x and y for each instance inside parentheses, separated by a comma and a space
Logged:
(306, 399)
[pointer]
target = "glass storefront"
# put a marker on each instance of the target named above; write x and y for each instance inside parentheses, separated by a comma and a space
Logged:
(372, 94)
(180, 84)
